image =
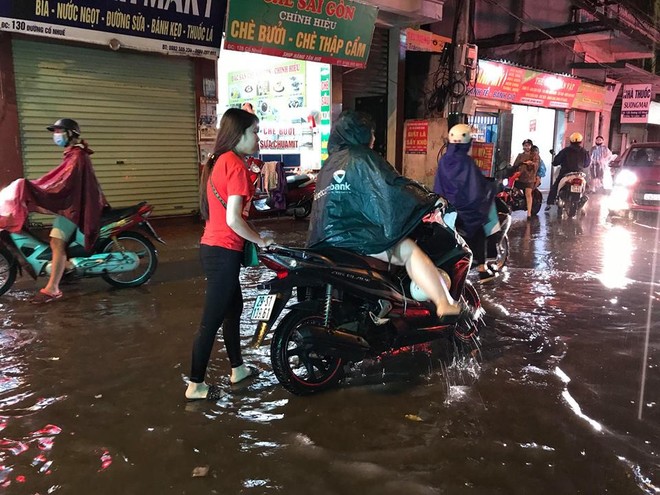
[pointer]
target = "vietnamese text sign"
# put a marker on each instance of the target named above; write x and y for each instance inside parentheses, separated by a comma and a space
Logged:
(336, 32)
(483, 153)
(191, 28)
(417, 137)
(590, 97)
(635, 102)
(418, 40)
(527, 87)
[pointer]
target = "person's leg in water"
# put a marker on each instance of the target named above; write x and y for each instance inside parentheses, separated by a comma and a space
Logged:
(221, 267)
(477, 244)
(424, 273)
(528, 198)
(60, 234)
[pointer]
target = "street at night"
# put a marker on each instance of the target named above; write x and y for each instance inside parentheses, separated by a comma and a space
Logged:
(92, 396)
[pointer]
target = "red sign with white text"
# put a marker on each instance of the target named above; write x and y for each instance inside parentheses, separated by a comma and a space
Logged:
(524, 86)
(482, 154)
(417, 137)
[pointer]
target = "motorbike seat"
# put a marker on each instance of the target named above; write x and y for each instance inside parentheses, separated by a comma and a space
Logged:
(351, 259)
(297, 180)
(110, 215)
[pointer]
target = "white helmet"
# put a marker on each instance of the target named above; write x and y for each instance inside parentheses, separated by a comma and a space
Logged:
(460, 133)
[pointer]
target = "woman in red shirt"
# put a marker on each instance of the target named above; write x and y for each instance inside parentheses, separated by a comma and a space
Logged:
(221, 246)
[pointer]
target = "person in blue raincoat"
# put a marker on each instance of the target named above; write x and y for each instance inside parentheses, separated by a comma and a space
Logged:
(460, 181)
(362, 204)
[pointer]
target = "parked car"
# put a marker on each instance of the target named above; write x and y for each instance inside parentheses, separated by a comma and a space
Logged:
(636, 181)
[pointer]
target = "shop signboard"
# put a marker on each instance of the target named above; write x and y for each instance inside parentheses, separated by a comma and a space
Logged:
(483, 154)
(635, 103)
(416, 137)
(418, 40)
(326, 109)
(505, 82)
(191, 28)
(590, 97)
(337, 32)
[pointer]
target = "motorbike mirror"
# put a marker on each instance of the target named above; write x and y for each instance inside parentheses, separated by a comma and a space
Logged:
(552, 151)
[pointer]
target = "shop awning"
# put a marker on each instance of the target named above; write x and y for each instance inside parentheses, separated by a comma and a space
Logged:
(621, 71)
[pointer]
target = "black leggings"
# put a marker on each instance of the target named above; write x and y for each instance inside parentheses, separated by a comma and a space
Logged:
(223, 305)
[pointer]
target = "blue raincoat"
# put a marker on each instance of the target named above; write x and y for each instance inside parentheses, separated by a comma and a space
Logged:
(460, 181)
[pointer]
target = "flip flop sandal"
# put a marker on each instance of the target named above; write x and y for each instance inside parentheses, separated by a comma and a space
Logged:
(43, 297)
(214, 393)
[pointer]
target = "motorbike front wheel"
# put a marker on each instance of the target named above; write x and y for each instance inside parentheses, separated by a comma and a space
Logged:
(502, 252)
(146, 252)
(297, 365)
(8, 269)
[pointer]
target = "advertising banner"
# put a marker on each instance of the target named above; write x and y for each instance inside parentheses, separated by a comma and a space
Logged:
(524, 86)
(192, 28)
(635, 103)
(337, 32)
(416, 137)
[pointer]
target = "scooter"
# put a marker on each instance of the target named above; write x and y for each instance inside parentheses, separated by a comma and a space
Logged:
(121, 256)
(350, 307)
(497, 245)
(514, 197)
(298, 196)
(571, 196)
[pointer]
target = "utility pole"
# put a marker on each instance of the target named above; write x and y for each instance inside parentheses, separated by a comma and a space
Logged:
(458, 81)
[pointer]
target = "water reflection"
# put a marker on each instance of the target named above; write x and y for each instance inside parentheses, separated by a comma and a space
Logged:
(617, 255)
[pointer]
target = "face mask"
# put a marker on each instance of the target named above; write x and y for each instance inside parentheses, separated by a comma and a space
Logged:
(60, 139)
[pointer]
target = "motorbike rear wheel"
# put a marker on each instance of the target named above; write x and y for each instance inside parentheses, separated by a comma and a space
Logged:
(143, 247)
(8, 269)
(297, 365)
(572, 207)
(303, 210)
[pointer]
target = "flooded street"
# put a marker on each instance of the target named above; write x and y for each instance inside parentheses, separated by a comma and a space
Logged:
(91, 398)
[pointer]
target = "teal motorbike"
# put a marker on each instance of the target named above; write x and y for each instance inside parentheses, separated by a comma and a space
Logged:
(121, 256)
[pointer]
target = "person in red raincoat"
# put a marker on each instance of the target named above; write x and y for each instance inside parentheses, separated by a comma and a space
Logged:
(72, 191)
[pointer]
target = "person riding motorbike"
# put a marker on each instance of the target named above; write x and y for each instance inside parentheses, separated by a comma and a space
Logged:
(460, 181)
(362, 204)
(573, 158)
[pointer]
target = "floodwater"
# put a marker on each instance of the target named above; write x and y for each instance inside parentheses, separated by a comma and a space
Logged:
(565, 399)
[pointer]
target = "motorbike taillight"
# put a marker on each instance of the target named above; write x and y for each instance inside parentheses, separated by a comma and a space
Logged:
(576, 182)
(281, 270)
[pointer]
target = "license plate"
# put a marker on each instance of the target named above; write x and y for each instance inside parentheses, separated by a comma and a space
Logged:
(576, 189)
(651, 197)
(263, 307)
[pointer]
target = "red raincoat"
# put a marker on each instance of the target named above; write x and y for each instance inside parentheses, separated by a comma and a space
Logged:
(70, 190)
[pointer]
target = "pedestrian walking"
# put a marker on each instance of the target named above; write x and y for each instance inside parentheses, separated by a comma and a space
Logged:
(226, 191)
(599, 169)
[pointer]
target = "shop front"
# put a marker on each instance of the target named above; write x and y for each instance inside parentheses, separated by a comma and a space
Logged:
(107, 67)
(514, 103)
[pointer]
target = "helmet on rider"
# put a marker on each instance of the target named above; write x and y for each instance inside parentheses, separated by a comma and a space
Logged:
(69, 125)
(576, 137)
(460, 133)
(64, 131)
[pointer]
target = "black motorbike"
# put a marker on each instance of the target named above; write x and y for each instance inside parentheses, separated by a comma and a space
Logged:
(514, 197)
(350, 307)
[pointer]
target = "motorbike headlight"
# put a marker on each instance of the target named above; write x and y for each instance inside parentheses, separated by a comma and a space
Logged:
(505, 182)
(625, 178)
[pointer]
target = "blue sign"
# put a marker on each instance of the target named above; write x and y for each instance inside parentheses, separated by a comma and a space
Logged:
(181, 27)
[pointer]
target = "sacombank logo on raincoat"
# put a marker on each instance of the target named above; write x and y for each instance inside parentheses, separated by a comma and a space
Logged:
(338, 185)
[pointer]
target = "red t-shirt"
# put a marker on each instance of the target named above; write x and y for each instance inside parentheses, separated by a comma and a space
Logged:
(230, 177)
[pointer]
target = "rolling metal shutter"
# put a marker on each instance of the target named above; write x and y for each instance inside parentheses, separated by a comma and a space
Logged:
(136, 111)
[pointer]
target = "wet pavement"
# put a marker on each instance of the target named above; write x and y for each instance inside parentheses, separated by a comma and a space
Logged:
(91, 395)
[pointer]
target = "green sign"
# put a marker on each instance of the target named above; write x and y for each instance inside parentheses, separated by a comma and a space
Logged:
(336, 32)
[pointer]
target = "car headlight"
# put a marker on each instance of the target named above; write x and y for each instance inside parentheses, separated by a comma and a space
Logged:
(625, 178)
